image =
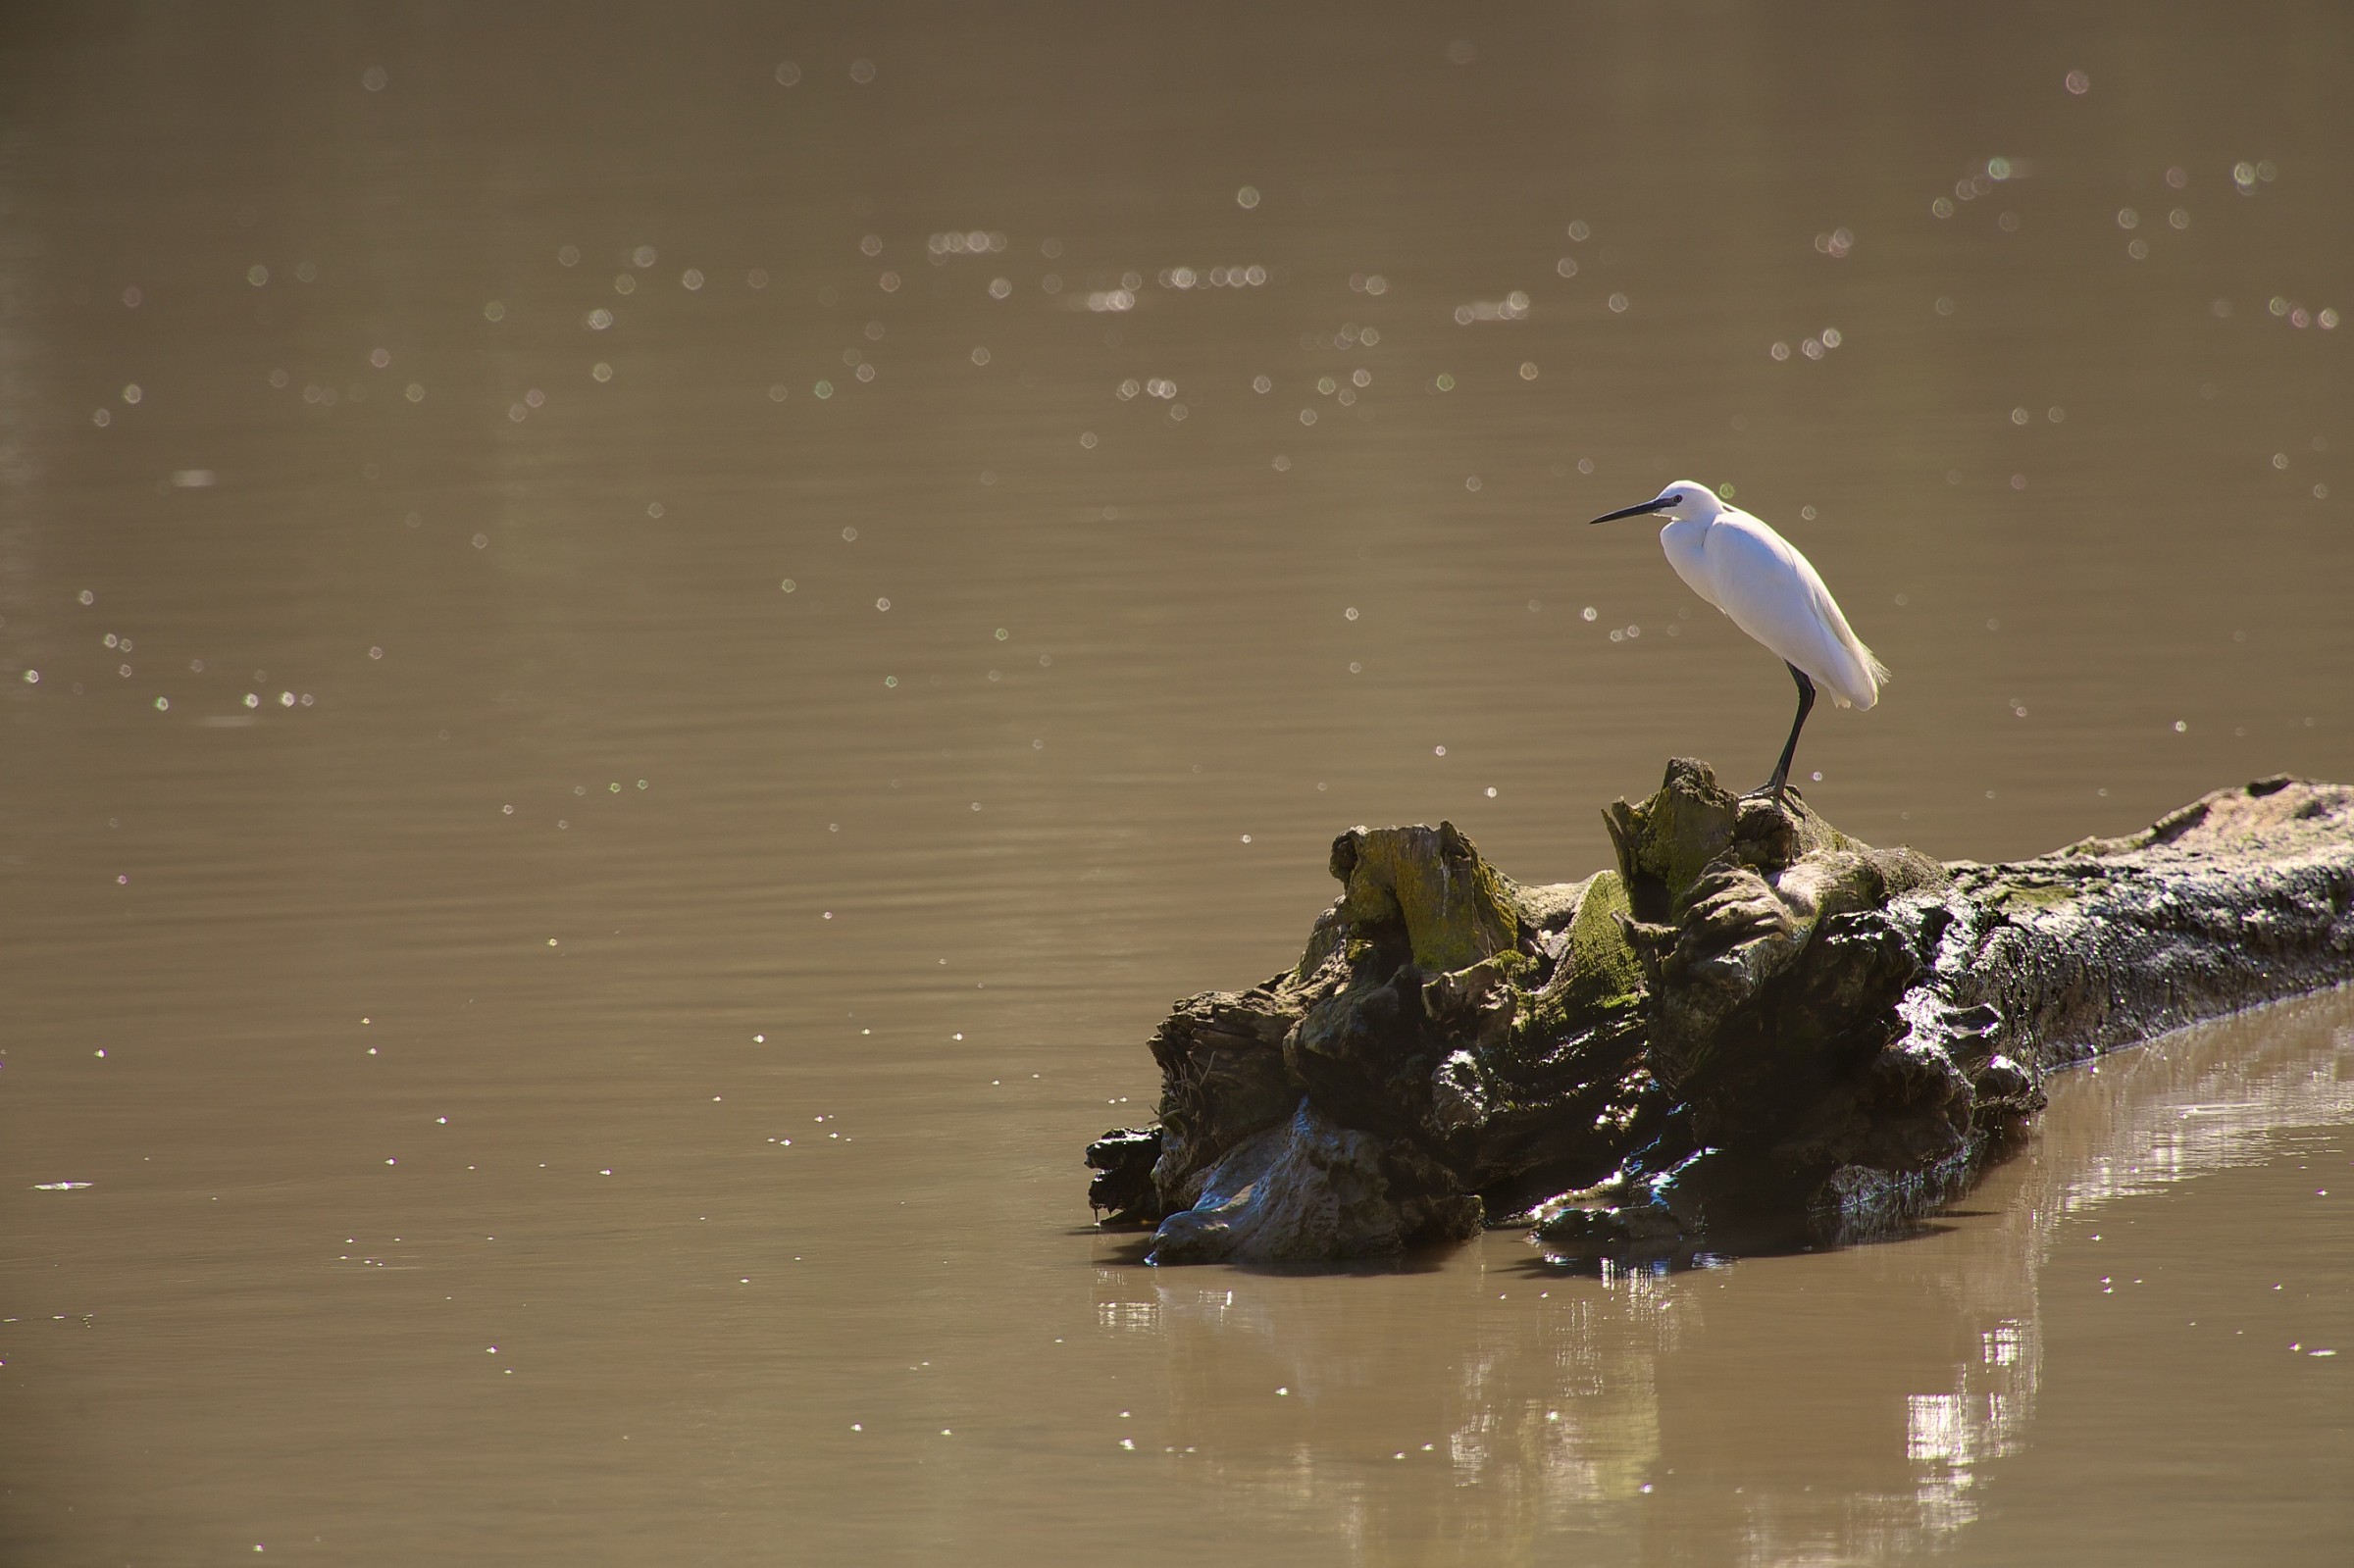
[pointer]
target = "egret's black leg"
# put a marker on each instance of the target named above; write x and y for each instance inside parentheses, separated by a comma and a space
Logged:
(1806, 701)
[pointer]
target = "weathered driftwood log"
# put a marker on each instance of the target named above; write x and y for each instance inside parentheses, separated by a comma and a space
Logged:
(1756, 1032)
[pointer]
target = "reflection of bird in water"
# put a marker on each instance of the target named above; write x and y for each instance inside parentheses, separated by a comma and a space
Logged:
(1758, 578)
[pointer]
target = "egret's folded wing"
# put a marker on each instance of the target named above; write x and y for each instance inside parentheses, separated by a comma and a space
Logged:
(1775, 595)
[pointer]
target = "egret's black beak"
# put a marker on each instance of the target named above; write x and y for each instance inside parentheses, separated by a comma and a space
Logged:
(1660, 504)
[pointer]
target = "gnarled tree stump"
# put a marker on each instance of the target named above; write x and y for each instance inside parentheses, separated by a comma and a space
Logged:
(1754, 1033)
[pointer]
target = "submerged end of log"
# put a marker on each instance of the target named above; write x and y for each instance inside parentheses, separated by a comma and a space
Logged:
(1753, 1031)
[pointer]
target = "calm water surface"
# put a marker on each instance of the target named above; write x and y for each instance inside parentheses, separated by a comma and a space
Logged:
(638, 646)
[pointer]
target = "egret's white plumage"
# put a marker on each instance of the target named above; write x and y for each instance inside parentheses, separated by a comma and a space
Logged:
(1769, 590)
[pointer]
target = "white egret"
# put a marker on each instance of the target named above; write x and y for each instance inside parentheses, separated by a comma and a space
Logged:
(1758, 578)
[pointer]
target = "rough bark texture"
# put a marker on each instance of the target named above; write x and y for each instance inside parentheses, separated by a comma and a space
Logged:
(1756, 1032)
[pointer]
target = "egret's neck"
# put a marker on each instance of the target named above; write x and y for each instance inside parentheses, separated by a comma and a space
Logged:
(1686, 532)
(1685, 541)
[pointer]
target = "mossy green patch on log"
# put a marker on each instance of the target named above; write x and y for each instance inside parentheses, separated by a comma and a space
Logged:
(1430, 884)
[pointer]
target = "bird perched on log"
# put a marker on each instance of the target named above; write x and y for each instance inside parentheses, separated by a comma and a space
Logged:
(1758, 578)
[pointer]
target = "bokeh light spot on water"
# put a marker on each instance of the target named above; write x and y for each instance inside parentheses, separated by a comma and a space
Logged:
(2077, 83)
(415, 392)
(980, 356)
(1589, 613)
(1444, 382)
(692, 279)
(787, 74)
(1618, 303)
(1836, 242)
(1943, 207)
(1087, 439)
(494, 310)
(1528, 370)
(102, 417)
(568, 255)
(1283, 465)
(1247, 197)
(1471, 483)
(1307, 416)
(257, 274)
(373, 79)
(1514, 307)
(824, 390)
(863, 71)
(642, 257)
(777, 391)
(1566, 267)
(888, 681)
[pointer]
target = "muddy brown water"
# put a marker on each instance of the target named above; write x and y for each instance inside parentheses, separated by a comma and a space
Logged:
(639, 645)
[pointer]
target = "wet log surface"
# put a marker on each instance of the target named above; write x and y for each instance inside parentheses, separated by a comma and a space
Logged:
(1754, 1033)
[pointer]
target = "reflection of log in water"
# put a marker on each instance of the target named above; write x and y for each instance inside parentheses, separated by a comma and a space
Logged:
(1545, 1418)
(1754, 1033)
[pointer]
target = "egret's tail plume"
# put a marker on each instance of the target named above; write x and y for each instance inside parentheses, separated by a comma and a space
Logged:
(1879, 671)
